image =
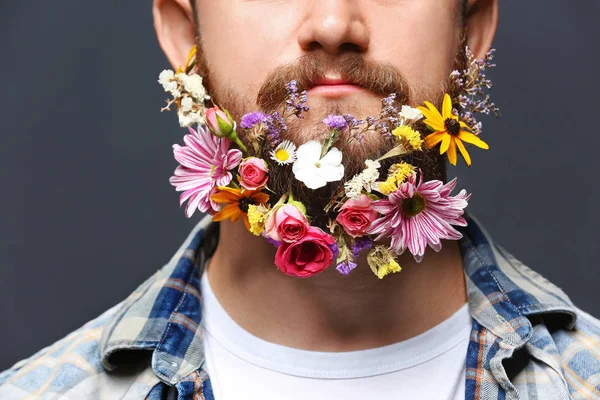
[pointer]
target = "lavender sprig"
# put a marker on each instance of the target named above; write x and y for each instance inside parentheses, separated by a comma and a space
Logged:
(295, 103)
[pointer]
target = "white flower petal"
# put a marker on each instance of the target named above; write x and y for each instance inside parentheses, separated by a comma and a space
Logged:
(309, 152)
(332, 158)
(331, 173)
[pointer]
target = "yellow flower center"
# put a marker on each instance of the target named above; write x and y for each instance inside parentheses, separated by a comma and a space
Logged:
(282, 155)
(452, 126)
(413, 206)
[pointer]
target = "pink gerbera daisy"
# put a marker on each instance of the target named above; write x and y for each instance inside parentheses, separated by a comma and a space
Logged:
(418, 214)
(205, 164)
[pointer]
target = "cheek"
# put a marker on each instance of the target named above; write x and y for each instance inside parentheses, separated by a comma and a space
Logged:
(420, 38)
(243, 41)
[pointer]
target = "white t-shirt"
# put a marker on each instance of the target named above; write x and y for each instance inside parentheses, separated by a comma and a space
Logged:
(244, 367)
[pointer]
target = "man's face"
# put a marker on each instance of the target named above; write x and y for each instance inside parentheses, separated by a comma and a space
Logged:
(246, 45)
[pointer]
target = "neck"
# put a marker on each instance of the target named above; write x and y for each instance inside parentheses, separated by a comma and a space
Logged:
(329, 311)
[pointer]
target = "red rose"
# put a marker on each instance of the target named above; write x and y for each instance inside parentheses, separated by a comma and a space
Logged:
(307, 256)
(253, 173)
(356, 216)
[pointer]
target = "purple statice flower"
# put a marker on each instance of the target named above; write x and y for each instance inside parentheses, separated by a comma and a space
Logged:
(276, 125)
(336, 122)
(472, 83)
(359, 245)
(345, 267)
(274, 242)
(388, 116)
(253, 118)
(295, 103)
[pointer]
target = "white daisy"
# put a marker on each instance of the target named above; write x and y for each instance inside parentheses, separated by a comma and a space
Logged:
(284, 153)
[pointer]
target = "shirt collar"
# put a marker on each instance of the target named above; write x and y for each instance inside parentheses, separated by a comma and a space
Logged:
(504, 294)
(163, 315)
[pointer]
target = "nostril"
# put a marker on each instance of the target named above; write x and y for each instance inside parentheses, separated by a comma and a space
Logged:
(350, 48)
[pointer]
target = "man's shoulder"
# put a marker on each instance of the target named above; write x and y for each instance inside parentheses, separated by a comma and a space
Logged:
(68, 362)
(72, 367)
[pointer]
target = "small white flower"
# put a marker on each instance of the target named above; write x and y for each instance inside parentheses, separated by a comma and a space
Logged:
(372, 164)
(354, 187)
(165, 78)
(315, 171)
(363, 181)
(193, 85)
(189, 118)
(284, 153)
(187, 104)
(410, 115)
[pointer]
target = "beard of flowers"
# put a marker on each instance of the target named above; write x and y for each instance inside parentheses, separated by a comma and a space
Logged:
(271, 97)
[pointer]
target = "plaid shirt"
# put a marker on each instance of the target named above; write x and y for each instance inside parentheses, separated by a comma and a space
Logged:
(528, 340)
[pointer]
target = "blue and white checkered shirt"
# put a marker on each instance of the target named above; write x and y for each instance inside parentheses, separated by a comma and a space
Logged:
(528, 340)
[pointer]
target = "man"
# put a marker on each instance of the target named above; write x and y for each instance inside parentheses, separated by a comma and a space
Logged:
(220, 322)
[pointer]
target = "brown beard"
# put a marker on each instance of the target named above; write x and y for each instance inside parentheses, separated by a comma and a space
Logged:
(379, 78)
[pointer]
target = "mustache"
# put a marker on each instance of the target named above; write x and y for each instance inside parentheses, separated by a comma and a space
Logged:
(377, 77)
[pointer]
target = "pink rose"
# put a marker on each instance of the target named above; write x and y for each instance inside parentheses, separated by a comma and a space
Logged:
(253, 173)
(356, 216)
(307, 256)
(286, 224)
(219, 122)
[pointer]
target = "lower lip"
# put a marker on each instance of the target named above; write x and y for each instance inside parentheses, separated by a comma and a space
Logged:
(332, 91)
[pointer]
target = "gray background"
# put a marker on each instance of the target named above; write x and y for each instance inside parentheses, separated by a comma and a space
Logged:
(87, 210)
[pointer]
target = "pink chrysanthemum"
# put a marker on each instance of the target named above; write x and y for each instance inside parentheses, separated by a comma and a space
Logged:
(205, 164)
(418, 214)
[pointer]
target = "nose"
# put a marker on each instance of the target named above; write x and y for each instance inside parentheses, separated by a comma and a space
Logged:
(334, 26)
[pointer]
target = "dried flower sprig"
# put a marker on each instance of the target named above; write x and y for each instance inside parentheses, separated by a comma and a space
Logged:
(471, 84)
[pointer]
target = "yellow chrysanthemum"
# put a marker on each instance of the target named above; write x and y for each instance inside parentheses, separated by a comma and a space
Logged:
(449, 130)
(257, 216)
(382, 262)
(397, 174)
(410, 136)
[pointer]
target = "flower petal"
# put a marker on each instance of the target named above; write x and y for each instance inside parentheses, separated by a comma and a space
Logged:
(332, 158)
(452, 151)
(309, 152)
(472, 139)
(447, 107)
(331, 173)
(463, 151)
(445, 143)
(434, 138)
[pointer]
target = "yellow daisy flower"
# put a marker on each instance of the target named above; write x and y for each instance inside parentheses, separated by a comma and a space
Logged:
(449, 130)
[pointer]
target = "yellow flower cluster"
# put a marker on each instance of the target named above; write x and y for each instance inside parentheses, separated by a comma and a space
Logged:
(410, 136)
(382, 262)
(257, 216)
(397, 174)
